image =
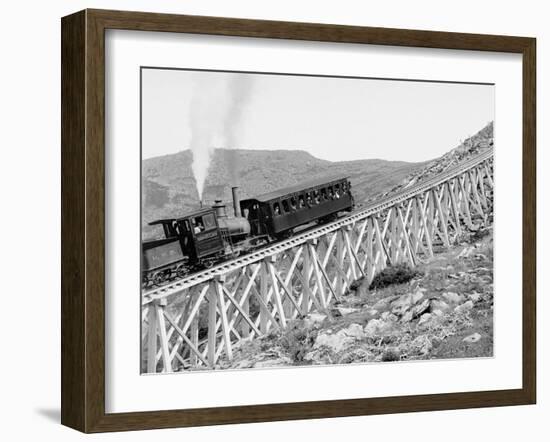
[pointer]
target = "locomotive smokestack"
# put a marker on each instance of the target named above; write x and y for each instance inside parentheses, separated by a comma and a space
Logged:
(236, 202)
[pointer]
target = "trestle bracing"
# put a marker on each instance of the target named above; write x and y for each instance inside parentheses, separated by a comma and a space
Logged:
(196, 326)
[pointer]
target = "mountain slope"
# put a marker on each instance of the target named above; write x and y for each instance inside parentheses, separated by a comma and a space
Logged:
(169, 188)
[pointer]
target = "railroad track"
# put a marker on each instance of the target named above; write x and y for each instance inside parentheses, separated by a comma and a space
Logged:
(308, 235)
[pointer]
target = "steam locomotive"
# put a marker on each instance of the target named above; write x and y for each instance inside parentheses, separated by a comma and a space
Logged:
(203, 238)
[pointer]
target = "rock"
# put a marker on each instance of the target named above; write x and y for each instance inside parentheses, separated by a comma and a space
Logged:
(472, 338)
(437, 312)
(244, 363)
(426, 317)
(407, 317)
(354, 331)
(466, 252)
(340, 340)
(436, 304)
(314, 319)
(453, 298)
(376, 327)
(335, 342)
(474, 297)
(401, 304)
(421, 308)
(417, 296)
(468, 305)
(388, 317)
(382, 304)
(344, 311)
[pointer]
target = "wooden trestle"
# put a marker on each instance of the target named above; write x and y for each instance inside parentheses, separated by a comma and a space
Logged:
(190, 323)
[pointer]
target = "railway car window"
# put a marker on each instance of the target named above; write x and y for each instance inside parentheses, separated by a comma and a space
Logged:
(286, 207)
(209, 221)
(309, 199)
(198, 224)
(301, 202)
(330, 193)
(323, 194)
(276, 209)
(316, 197)
(337, 191)
(293, 203)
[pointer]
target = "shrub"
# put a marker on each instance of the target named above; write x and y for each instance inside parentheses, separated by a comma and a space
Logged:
(390, 355)
(397, 274)
(297, 340)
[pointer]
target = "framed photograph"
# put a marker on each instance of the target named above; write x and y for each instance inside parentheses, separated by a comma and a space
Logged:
(267, 220)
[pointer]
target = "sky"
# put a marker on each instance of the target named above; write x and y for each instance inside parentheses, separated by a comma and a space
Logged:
(332, 118)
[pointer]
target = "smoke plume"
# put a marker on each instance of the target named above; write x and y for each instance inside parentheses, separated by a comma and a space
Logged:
(217, 108)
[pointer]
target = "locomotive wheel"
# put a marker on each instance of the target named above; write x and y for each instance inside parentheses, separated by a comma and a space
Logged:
(144, 281)
(181, 271)
(159, 278)
(208, 264)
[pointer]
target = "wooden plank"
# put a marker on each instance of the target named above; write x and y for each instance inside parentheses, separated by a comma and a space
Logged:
(241, 311)
(212, 302)
(277, 294)
(152, 340)
(443, 222)
(166, 361)
(192, 346)
(412, 260)
(223, 315)
(424, 227)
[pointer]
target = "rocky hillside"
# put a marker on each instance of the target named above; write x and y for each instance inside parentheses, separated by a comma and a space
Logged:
(469, 148)
(444, 311)
(169, 188)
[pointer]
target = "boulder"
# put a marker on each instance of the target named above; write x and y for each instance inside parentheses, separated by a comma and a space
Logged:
(354, 331)
(466, 252)
(453, 298)
(344, 311)
(401, 304)
(436, 304)
(338, 341)
(474, 297)
(334, 342)
(376, 327)
(426, 317)
(421, 308)
(407, 317)
(462, 308)
(417, 296)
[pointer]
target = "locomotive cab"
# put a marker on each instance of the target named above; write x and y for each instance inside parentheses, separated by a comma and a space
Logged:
(199, 235)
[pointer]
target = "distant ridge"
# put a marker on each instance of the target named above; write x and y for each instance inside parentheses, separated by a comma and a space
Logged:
(169, 188)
